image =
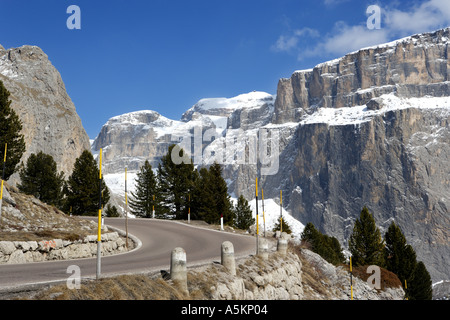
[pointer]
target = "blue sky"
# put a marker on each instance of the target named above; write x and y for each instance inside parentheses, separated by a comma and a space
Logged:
(166, 55)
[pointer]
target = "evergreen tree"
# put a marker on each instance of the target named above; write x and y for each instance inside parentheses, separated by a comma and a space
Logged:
(365, 243)
(82, 187)
(175, 183)
(222, 205)
(111, 211)
(243, 216)
(40, 178)
(141, 202)
(420, 285)
(327, 247)
(202, 197)
(10, 128)
(286, 228)
(399, 257)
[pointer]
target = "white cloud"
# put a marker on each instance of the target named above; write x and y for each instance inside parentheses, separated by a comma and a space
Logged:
(395, 23)
(333, 2)
(286, 43)
(430, 15)
(351, 38)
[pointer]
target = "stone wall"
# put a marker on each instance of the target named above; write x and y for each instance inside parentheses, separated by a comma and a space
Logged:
(17, 252)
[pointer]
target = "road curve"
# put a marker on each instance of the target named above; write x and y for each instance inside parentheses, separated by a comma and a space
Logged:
(158, 237)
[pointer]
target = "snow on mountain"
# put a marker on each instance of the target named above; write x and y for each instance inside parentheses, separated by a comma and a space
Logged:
(243, 101)
(271, 216)
(359, 114)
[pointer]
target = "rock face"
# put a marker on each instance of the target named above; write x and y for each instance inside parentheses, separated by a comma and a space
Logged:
(303, 276)
(374, 131)
(411, 67)
(369, 129)
(39, 97)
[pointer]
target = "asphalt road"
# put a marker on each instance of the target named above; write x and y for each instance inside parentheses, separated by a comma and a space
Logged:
(158, 239)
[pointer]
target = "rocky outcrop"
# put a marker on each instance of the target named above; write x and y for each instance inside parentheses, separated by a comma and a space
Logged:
(295, 276)
(50, 121)
(373, 130)
(411, 67)
(370, 128)
(18, 252)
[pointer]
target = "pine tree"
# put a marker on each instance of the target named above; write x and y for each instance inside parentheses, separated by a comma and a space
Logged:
(222, 205)
(175, 183)
(243, 216)
(286, 228)
(365, 243)
(141, 201)
(420, 285)
(399, 257)
(10, 128)
(111, 211)
(82, 187)
(40, 178)
(202, 198)
(327, 247)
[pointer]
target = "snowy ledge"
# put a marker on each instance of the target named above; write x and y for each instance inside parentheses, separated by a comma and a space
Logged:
(360, 114)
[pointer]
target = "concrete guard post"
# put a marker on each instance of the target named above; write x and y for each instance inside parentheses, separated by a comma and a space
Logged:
(178, 268)
(282, 246)
(227, 255)
(263, 251)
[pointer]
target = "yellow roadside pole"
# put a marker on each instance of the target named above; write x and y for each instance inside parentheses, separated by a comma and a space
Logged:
(406, 287)
(264, 216)
(99, 236)
(351, 279)
(3, 178)
(281, 210)
(153, 207)
(126, 208)
(257, 216)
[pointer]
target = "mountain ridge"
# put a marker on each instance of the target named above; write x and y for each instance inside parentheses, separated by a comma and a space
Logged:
(368, 128)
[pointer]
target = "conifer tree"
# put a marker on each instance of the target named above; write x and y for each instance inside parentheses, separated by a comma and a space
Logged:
(420, 285)
(365, 243)
(40, 178)
(111, 211)
(10, 128)
(82, 187)
(327, 247)
(175, 183)
(202, 197)
(243, 216)
(222, 205)
(286, 228)
(399, 257)
(141, 201)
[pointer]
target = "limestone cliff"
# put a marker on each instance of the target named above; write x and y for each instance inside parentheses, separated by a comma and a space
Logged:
(373, 130)
(50, 121)
(370, 128)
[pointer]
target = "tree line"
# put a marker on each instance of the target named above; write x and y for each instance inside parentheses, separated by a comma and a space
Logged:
(174, 190)
(367, 247)
(178, 190)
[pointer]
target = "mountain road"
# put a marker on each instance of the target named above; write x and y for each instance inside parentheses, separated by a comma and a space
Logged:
(157, 240)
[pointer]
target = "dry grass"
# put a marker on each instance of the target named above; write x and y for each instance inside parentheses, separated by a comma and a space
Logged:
(388, 278)
(125, 287)
(38, 221)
